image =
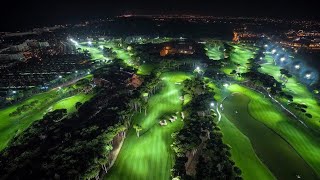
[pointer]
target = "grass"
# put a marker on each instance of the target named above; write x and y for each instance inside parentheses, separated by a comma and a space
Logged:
(150, 156)
(69, 103)
(145, 69)
(12, 126)
(299, 92)
(243, 153)
(305, 143)
(262, 138)
(214, 50)
(97, 54)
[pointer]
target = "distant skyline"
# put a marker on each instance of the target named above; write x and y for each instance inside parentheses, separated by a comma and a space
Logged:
(17, 15)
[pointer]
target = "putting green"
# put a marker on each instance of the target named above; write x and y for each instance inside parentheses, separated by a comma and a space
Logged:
(150, 156)
(306, 144)
(276, 158)
(243, 153)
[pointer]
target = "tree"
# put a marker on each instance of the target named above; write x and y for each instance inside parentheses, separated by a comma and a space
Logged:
(138, 128)
(78, 104)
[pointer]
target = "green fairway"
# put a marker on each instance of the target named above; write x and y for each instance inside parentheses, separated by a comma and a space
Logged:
(242, 152)
(11, 126)
(304, 143)
(240, 55)
(69, 103)
(214, 50)
(299, 92)
(145, 69)
(150, 156)
(97, 53)
(271, 148)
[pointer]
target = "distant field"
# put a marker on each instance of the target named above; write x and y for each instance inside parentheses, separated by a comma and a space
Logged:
(214, 51)
(11, 126)
(69, 103)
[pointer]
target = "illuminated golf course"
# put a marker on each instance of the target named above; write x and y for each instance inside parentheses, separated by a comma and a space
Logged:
(261, 126)
(48, 101)
(267, 137)
(278, 133)
(150, 155)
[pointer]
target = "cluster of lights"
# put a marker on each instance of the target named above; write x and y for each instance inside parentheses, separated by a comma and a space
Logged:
(277, 55)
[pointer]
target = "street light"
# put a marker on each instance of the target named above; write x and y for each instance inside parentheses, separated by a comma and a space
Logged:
(297, 66)
(273, 51)
(266, 45)
(101, 47)
(308, 76)
(260, 58)
(14, 92)
(89, 42)
(212, 104)
(226, 85)
(282, 59)
(60, 76)
(76, 71)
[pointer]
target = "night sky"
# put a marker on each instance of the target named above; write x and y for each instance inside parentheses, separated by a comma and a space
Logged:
(16, 15)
